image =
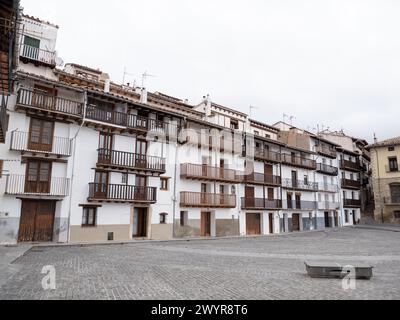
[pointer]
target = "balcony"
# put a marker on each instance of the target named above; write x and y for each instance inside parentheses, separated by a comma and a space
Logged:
(207, 200)
(330, 206)
(351, 184)
(122, 193)
(266, 155)
(110, 117)
(261, 204)
(299, 185)
(19, 186)
(37, 56)
(3, 122)
(130, 161)
(326, 187)
(42, 102)
(326, 151)
(329, 170)
(351, 203)
(208, 173)
(350, 165)
(300, 162)
(300, 205)
(263, 179)
(21, 141)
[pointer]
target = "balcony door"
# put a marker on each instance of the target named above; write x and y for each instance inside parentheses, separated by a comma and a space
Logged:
(101, 184)
(38, 177)
(141, 154)
(250, 197)
(289, 201)
(41, 135)
(105, 147)
(205, 224)
(298, 201)
(203, 194)
(141, 188)
(294, 179)
(31, 48)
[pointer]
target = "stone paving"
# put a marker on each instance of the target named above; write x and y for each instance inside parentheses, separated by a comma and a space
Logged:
(249, 268)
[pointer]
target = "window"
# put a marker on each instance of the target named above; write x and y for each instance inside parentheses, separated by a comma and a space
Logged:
(305, 179)
(391, 148)
(397, 214)
(163, 218)
(395, 192)
(164, 184)
(234, 125)
(233, 190)
(257, 133)
(89, 217)
(183, 218)
(268, 136)
(393, 165)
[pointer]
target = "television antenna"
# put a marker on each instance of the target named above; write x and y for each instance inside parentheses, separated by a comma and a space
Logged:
(146, 75)
(126, 73)
(251, 110)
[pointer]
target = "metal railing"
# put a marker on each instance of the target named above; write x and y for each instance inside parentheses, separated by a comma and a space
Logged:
(203, 172)
(351, 203)
(300, 205)
(39, 55)
(20, 141)
(261, 203)
(324, 168)
(207, 200)
(30, 98)
(130, 160)
(19, 185)
(299, 184)
(326, 187)
(299, 161)
(119, 192)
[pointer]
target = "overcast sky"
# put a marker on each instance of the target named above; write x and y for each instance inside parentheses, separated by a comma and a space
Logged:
(333, 63)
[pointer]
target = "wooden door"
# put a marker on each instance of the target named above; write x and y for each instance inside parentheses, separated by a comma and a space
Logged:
(140, 223)
(327, 220)
(37, 221)
(141, 154)
(268, 171)
(206, 224)
(271, 194)
(101, 184)
(336, 219)
(253, 224)
(105, 147)
(203, 194)
(249, 196)
(296, 222)
(271, 223)
(38, 177)
(354, 218)
(141, 188)
(41, 135)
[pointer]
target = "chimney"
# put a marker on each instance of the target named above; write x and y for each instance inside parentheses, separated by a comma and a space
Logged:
(208, 105)
(143, 96)
(107, 85)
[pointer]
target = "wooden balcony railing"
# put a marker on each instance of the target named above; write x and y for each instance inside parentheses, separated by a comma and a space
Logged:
(122, 193)
(202, 172)
(300, 205)
(299, 185)
(207, 200)
(326, 151)
(133, 161)
(261, 204)
(328, 205)
(19, 185)
(38, 55)
(266, 155)
(263, 179)
(20, 141)
(36, 100)
(352, 203)
(352, 184)
(299, 162)
(326, 169)
(350, 165)
(111, 117)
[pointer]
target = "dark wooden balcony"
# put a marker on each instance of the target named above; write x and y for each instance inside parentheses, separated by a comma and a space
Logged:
(326, 151)
(207, 200)
(208, 173)
(20, 186)
(109, 117)
(37, 56)
(28, 99)
(300, 205)
(351, 184)
(326, 169)
(299, 162)
(350, 203)
(60, 147)
(130, 161)
(261, 204)
(266, 155)
(350, 165)
(299, 185)
(263, 179)
(122, 193)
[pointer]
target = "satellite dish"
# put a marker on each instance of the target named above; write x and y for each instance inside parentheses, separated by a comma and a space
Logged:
(59, 62)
